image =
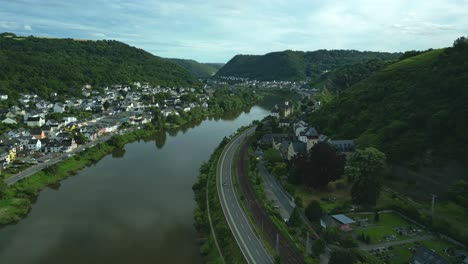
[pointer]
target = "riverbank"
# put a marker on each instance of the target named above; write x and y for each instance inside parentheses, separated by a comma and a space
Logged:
(16, 200)
(208, 205)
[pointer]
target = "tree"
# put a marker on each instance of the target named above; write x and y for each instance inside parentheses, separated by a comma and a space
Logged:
(364, 171)
(318, 247)
(298, 201)
(271, 156)
(322, 165)
(341, 256)
(295, 218)
(80, 138)
(3, 187)
(313, 211)
(106, 105)
(460, 42)
(376, 216)
(116, 141)
(279, 169)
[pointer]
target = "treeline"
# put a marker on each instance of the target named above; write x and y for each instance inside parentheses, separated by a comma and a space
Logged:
(296, 65)
(43, 66)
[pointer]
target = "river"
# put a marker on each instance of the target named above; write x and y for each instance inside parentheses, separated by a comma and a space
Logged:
(132, 207)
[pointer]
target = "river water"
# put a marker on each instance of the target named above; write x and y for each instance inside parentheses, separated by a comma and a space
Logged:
(132, 207)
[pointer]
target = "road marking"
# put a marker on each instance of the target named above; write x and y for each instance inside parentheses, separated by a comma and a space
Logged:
(226, 153)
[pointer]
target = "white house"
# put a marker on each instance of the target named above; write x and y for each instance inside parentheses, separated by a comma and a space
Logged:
(69, 119)
(3, 97)
(35, 121)
(9, 121)
(34, 145)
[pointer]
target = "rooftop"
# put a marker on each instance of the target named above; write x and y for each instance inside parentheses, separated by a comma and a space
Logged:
(343, 219)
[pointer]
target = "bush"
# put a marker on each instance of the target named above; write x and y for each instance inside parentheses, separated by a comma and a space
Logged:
(313, 211)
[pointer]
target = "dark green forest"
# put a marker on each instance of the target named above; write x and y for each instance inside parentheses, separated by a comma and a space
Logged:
(348, 75)
(414, 108)
(198, 69)
(43, 66)
(297, 65)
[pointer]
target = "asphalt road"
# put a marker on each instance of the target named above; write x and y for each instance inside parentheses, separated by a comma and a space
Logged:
(61, 156)
(250, 245)
(282, 199)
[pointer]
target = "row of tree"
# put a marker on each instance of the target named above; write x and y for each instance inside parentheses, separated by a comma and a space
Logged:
(324, 164)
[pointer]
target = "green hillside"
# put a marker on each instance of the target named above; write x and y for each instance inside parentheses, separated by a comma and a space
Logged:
(296, 65)
(414, 108)
(197, 69)
(348, 75)
(42, 66)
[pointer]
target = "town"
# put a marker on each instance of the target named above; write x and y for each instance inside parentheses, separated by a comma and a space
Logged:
(48, 129)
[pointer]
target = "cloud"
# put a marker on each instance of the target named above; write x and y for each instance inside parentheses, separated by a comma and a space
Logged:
(216, 30)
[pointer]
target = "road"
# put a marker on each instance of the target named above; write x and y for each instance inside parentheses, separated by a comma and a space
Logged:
(250, 245)
(282, 199)
(31, 170)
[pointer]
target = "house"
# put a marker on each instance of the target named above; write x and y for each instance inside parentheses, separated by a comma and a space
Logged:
(68, 144)
(90, 133)
(426, 256)
(15, 110)
(343, 221)
(343, 145)
(258, 152)
(323, 138)
(38, 133)
(34, 145)
(271, 139)
(9, 121)
(35, 121)
(284, 123)
(326, 221)
(275, 113)
(53, 146)
(4, 156)
(286, 109)
(3, 97)
(43, 105)
(59, 108)
(296, 148)
(69, 119)
(169, 111)
(10, 114)
(53, 124)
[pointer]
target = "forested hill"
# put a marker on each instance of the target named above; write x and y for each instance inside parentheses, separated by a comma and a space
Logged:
(296, 65)
(42, 65)
(197, 69)
(416, 107)
(348, 75)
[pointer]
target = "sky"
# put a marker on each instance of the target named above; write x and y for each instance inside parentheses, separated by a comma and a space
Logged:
(216, 30)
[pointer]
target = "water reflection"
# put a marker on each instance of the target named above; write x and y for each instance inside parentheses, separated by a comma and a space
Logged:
(118, 152)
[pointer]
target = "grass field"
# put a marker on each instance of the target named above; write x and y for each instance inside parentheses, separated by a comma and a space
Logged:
(384, 227)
